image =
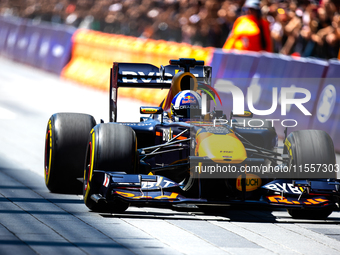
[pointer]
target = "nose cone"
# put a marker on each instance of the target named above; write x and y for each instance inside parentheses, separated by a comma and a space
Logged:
(224, 148)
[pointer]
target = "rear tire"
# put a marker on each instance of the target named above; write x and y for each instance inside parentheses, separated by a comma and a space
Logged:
(111, 147)
(65, 148)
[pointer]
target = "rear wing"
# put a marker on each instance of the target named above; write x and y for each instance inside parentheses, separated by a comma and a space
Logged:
(139, 75)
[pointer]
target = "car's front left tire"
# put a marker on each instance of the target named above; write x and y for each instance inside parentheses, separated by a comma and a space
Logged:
(65, 147)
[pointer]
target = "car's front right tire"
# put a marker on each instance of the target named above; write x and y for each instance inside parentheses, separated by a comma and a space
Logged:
(305, 148)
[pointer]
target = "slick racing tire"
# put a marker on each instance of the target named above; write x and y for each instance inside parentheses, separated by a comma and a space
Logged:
(307, 147)
(111, 147)
(310, 214)
(65, 148)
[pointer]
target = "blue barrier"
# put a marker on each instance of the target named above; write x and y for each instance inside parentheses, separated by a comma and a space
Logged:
(235, 69)
(224, 74)
(269, 74)
(291, 78)
(218, 55)
(14, 28)
(262, 73)
(309, 73)
(60, 49)
(245, 67)
(45, 46)
(227, 65)
(238, 65)
(4, 31)
(327, 111)
(21, 43)
(34, 34)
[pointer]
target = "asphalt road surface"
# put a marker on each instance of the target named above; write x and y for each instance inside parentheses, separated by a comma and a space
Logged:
(35, 221)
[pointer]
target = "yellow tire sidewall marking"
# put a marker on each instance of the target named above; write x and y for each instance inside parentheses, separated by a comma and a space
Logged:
(91, 166)
(47, 178)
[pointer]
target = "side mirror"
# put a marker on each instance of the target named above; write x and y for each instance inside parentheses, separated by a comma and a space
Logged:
(246, 114)
(151, 110)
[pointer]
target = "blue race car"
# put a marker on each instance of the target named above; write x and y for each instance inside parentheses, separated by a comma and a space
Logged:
(185, 154)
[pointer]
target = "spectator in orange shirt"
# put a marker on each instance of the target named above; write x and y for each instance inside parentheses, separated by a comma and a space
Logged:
(250, 32)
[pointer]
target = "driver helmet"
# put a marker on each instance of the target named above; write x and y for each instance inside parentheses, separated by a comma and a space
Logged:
(183, 103)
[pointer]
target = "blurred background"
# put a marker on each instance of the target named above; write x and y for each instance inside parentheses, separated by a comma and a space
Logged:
(302, 27)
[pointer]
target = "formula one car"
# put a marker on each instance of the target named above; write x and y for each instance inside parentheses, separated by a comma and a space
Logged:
(166, 160)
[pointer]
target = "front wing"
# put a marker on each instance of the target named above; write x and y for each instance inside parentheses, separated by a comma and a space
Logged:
(160, 191)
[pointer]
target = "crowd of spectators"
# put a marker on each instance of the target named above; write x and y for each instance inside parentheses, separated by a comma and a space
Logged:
(300, 27)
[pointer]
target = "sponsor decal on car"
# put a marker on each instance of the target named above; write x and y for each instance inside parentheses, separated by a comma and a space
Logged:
(149, 110)
(153, 195)
(284, 187)
(253, 182)
(167, 134)
(289, 200)
(161, 183)
(106, 180)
